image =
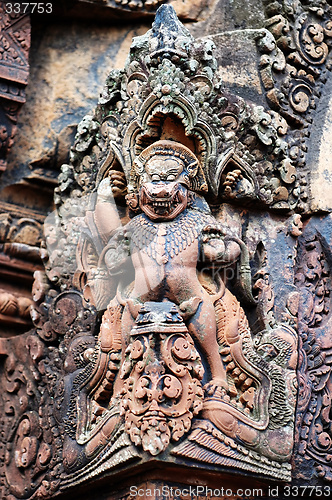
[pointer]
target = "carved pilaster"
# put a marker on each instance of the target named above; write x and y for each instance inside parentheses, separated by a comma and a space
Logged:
(294, 68)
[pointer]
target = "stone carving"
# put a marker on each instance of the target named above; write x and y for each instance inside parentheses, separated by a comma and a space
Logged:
(20, 239)
(14, 71)
(150, 339)
(189, 10)
(165, 242)
(314, 374)
(13, 306)
(294, 66)
(154, 351)
(242, 148)
(20, 231)
(161, 396)
(29, 444)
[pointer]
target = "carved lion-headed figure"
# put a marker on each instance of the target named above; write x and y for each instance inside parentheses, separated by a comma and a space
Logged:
(174, 342)
(154, 259)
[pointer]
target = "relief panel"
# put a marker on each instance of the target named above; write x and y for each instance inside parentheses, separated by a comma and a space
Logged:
(166, 316)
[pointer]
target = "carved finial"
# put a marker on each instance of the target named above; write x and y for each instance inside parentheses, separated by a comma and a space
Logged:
(169, 38)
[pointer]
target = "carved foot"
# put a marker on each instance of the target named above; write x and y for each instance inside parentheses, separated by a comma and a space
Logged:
(236, 185)
(189, 307)
(217, 387)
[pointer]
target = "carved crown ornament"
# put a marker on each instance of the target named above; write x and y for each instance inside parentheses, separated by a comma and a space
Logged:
(149, 338)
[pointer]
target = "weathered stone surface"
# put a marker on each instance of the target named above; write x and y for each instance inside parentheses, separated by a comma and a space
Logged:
(68, 71)
(320, 153)
(151, 339)
(228, 15)
(114, 376)
(238, 58)
(313, 280)
(115, 10)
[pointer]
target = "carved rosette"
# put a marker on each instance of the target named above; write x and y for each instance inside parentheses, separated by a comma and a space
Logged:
(162, 373)
(32, 445)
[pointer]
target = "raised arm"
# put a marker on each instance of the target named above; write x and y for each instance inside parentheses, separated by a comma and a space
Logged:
(106, 214)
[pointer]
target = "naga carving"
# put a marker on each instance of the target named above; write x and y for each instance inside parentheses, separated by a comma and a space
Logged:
(156, 339)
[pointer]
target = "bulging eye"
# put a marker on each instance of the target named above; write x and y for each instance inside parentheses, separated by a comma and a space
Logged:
(171, 177)
(155, 177)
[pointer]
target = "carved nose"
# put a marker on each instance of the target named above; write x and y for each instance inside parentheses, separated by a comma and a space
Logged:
(160, 191)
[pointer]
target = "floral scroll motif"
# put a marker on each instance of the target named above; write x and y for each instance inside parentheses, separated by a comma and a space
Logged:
(294, 63)
(315, 361)
(14, 72)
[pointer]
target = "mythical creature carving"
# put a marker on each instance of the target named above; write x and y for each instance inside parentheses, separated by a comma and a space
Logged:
(145, 313)
(173, 233)
(174, 342)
